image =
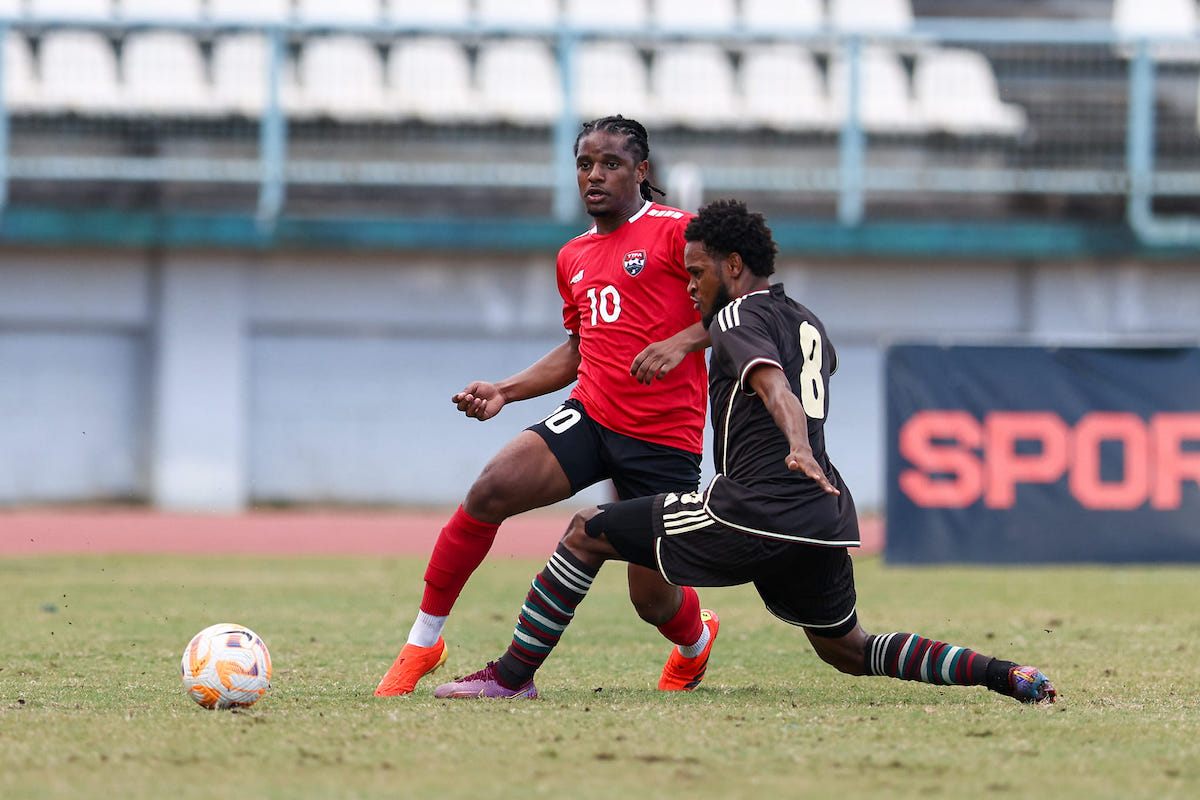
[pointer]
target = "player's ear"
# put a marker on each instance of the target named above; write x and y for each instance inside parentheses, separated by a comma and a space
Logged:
(641, 170)
(735, 265)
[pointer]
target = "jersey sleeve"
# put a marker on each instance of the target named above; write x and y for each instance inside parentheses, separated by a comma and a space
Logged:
(570, 309)
(744, 345)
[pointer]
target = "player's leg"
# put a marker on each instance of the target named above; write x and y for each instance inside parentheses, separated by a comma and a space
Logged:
(524, 475)
(641, 469)
(547, 611)
(825, 608)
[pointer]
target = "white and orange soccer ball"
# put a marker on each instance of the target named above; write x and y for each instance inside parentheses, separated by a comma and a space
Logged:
(226, 666)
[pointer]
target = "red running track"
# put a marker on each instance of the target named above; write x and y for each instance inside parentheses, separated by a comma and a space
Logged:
(382, 533)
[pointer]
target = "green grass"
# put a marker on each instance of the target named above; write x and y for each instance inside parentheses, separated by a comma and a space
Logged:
(91, 703)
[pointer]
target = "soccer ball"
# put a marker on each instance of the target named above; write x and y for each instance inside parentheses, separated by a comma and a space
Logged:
(226, 666)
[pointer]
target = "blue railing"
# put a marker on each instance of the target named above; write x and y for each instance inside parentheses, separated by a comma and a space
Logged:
(847, 173)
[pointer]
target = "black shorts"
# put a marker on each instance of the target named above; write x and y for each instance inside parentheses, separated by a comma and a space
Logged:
(803, 584)
(589, 453)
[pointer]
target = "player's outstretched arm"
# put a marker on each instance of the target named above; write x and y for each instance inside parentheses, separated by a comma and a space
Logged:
(772, 387)
(659, 358)
(482, 400)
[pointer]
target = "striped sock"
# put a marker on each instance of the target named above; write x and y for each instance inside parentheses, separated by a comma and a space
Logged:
(914, 658)
(547, 611)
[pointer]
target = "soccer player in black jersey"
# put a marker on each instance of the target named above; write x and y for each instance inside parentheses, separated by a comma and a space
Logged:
(777, 514)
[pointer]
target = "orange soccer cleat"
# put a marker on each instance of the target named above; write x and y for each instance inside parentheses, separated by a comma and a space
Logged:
(683, 674)
(410, 666)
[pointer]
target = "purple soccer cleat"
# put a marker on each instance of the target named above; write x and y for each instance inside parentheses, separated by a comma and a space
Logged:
(484, 683)
(1029, 685)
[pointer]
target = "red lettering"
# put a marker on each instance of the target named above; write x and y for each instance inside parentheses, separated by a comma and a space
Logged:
(1006, 467)
(1174, 465)
(1085, 482)
(919, 445)
(956, 460)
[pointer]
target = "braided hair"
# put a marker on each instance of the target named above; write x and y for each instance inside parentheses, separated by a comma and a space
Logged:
(637, 140)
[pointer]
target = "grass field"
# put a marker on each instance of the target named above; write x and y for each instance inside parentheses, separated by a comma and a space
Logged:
(91, 704)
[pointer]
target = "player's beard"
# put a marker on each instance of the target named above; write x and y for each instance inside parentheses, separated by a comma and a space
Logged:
(722, 299)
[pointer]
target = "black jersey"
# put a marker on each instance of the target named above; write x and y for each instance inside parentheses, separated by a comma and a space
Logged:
(754, 490)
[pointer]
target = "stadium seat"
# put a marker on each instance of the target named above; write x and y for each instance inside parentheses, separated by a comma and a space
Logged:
(871, 15)
(955, 91)
(11, 8)
(692, 84)
(775, 15)
(340, 76)
(164, 74)
(519, 81)
(79, 72)
(429, 78)
(424, 12)
(21, 92)
(611, 78)
(885, 101)
(242, 11)
(74, 9)
(345, 12)
(182, 10)
(707, 15)
(239, 73)
(617, 13)
(526, 12)
(782, 88)
(1150, 18)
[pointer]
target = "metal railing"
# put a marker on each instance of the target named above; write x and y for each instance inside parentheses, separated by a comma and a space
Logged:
(851, 162)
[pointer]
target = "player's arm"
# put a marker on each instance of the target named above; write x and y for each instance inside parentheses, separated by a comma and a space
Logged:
(553, 371)
(772, 387)
(659, 358)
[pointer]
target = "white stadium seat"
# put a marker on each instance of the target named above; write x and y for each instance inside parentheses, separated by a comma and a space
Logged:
(1151, 18)
(885, 101)
(775, 15)
(614, 14)
(424, 12)
(21, 91)
(345, 12)
(956, 92)
(74, 9)
(239, 73)
(519, 81)
(164, 74)
(256, 11)
(340, 76)
(892, 16)
(782, 88)
(11, 8)
(429, 78)
(525, 12)
(79, 72)
(692, 84)
(183, 10)
(707, 15)
(611, 78)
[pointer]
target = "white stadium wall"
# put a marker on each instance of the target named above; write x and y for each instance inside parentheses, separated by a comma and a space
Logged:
(211, 380)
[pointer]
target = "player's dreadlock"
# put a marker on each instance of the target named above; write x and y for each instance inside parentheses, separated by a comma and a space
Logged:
(638, 140)
(727, 226)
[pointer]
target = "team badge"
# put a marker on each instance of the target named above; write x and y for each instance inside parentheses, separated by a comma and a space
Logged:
(635, 262)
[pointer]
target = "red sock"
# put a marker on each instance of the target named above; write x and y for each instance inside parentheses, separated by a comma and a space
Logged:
(459, 550)
(685, 628)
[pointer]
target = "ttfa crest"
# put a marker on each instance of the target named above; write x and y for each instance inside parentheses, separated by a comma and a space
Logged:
(635, 262)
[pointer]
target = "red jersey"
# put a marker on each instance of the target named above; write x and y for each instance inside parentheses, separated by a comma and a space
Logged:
(622, 291)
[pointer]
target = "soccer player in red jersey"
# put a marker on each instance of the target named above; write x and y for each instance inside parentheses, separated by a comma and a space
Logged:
(634, 350)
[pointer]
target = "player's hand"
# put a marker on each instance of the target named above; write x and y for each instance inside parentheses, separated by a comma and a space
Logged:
(656, 361)
(803, 461)
(481, 400)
